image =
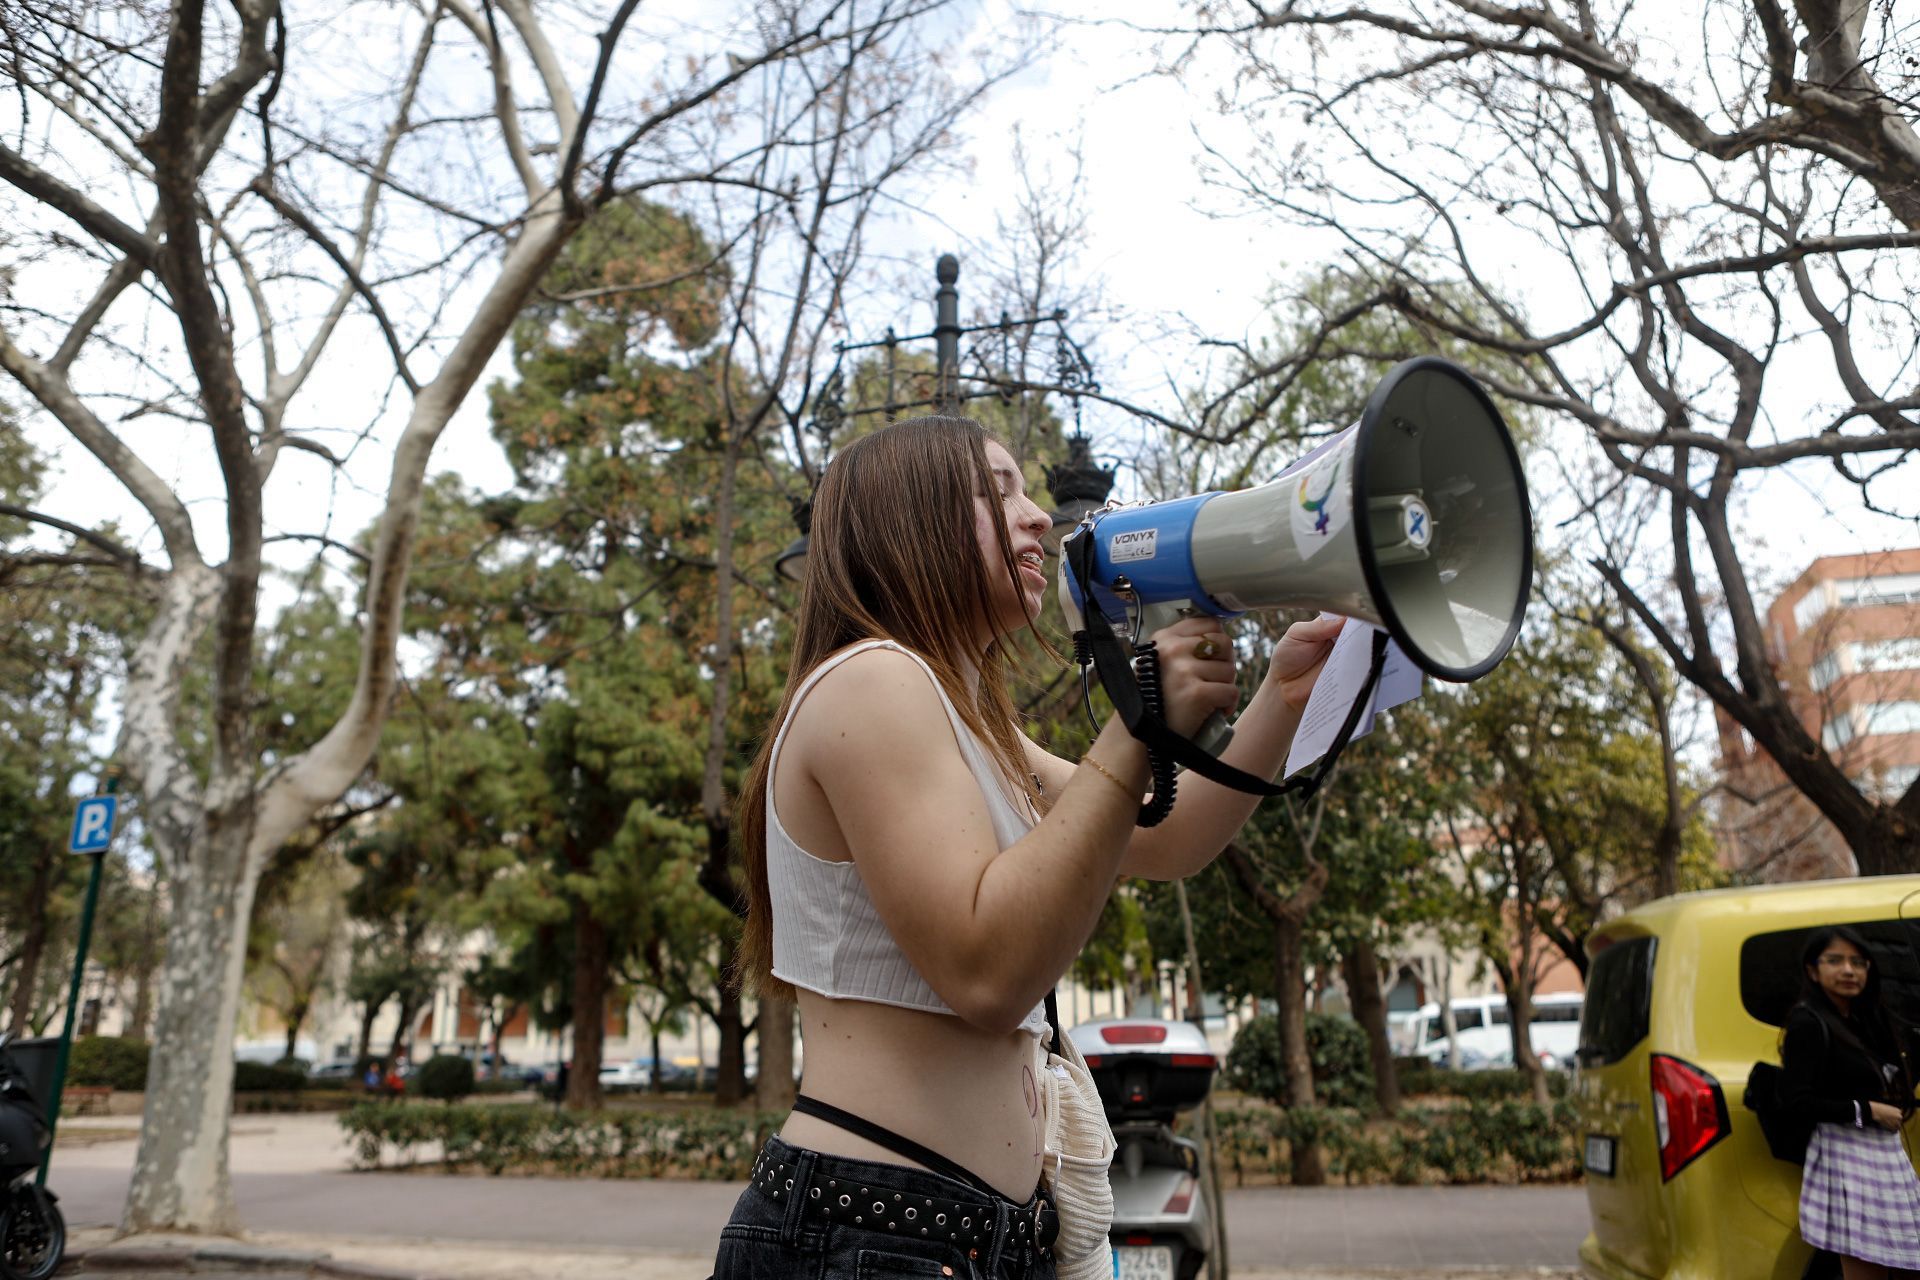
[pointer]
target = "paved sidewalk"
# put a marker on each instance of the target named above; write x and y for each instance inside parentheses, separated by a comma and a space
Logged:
(290, 1183)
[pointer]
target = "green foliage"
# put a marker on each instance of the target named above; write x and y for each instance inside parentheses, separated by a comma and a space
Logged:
(1342, 1071)
(445, 1077)
(1471, 1143)
(64, 629)
(262, 1077)
(118, 1062)
(716, 1145)
(1554, 766)
(1418, 1079)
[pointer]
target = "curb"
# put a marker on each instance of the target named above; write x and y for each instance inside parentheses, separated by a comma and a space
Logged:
(225, 1256)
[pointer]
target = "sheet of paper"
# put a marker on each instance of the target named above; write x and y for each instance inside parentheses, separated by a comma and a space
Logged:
(1340, 683)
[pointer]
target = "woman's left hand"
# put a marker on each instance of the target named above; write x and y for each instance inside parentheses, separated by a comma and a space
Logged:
(1299, 657)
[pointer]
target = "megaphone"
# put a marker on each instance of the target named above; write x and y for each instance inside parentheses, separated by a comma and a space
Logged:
(1415, 518)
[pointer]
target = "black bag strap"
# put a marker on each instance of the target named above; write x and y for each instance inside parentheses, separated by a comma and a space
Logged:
(879, 1135)
(1053, 1019)
(1110, 659)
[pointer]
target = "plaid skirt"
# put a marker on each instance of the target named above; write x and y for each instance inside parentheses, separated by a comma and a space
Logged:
(1860, 1198)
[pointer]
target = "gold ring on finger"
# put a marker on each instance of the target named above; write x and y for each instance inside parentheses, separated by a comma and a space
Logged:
(1206, 649)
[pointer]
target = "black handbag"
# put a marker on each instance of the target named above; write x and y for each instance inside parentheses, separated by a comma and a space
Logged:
(1766, 1096)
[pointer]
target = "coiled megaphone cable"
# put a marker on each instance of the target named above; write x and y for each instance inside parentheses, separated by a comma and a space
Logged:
(1136, 697)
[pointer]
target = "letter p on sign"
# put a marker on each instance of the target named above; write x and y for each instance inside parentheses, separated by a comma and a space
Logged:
(92, 825)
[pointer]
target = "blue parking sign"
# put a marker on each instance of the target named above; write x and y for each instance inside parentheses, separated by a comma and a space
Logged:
(92, 825)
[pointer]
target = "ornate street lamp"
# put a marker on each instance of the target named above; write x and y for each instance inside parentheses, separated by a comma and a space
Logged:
(1078, 484)
(791, 564)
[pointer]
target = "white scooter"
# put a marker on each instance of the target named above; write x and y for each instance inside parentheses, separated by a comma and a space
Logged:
(1148, 1070)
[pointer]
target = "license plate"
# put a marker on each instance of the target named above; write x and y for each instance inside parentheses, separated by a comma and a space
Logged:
(1152, 1263)
(1600, 1154)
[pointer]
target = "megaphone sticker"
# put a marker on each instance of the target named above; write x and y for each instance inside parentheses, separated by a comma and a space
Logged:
(1321, 507)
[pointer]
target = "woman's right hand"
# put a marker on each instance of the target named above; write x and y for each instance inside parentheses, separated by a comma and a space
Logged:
(1196, 672)
(1886, 1115)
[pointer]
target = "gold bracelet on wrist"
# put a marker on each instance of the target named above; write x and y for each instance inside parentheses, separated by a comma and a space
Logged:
(1111, 776)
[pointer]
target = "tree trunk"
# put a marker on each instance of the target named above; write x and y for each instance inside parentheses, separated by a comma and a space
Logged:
(180, 1179)
(657, 1083)
(33, 946)
(774, 1091)
(730, 1076)
(402, 1040)
(1217, 1265)
(370, 1012)
(1520, 1010)
(494, 1033)
(1289, 991)
(716, 873)
(590, 983)
(153, 934)
(1362, 967)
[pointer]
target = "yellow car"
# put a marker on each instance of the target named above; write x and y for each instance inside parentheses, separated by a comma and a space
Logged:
(1684, 995)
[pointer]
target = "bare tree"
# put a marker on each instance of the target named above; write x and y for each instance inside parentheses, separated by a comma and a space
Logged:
(1708, 219)
(248, 216)
(1288, 909)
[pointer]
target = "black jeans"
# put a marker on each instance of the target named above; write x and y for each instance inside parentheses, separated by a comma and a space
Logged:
(780, 1226)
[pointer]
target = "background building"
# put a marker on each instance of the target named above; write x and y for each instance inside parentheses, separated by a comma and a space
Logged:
(1845, 643)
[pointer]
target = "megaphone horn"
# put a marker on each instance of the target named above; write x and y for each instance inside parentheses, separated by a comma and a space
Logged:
(1415, 518)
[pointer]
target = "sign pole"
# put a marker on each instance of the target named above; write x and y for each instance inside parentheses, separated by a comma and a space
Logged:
(97, 856)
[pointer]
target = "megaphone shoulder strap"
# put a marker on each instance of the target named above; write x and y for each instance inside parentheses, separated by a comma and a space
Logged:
(1138, 709)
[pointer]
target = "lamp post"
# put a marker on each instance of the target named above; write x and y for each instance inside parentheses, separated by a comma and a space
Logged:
(791, 564)
(1078, 485)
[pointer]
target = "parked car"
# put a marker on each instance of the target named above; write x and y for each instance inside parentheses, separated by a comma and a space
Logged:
(521, 1073)
(624, 1077)
(333, 1069)
(487, 1067)
(1486, 1041)
(1684, 995)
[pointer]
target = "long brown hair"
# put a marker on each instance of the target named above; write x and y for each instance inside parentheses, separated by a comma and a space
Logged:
(891, 556)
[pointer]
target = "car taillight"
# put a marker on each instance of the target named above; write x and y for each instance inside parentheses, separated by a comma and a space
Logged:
(1182, 1198)
(1133, 1033)
(1092, 1060)
(1193, 1060)
(1689, 1113)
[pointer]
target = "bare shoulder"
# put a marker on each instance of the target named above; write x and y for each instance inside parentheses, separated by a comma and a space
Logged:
(877, 702)
(871, 682)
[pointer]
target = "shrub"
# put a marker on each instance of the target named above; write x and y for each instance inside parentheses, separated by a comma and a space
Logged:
(1478, 1086)
(1342, 1071)
(618, 1144)
(261, 1077)
(118, 1062)
(445, 1077)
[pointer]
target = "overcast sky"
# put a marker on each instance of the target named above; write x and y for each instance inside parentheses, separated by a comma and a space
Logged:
(1168, 254)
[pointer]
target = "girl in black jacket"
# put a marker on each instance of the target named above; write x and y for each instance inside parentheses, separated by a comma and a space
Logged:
(1848, 1076)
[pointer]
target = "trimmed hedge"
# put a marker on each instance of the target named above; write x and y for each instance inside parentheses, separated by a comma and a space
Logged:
(118, 1062)
(715, 1145)
(1474, 1143)
(1509, 1084)
(261, 1077)
(445, 1077)
(1471, 1143)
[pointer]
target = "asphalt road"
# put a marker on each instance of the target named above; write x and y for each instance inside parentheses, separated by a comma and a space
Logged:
(1377, 1227)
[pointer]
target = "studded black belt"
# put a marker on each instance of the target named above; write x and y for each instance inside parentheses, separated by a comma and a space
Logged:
(871, 1205)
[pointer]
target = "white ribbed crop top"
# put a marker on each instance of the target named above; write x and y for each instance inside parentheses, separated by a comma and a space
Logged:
(827, 935)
